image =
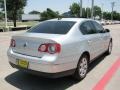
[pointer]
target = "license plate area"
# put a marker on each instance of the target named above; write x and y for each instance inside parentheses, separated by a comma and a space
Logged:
(23, 63)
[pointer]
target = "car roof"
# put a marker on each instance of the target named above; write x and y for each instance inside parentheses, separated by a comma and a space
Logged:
(70, 19)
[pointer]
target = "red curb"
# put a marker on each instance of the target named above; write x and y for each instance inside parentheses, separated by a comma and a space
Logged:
(107, 77)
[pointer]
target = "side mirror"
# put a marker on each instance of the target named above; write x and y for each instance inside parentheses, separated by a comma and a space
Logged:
(107, 30)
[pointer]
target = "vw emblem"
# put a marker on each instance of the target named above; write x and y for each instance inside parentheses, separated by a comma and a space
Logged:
(25, 45)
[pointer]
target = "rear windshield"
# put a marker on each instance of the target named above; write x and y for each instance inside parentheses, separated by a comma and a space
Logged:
(53, 27)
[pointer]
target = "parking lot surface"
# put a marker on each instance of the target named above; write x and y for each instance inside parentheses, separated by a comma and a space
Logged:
(104, 72)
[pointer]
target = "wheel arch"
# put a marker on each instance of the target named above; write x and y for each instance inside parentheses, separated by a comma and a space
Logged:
(88, 54)
(85, 53)
(111, 39)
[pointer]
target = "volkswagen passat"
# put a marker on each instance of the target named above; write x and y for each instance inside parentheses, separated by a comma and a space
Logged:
(59, 47)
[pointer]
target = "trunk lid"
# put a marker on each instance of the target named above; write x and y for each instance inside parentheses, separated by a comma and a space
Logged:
(28, 43)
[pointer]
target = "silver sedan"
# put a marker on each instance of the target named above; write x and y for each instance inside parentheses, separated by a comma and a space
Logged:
(59, 47)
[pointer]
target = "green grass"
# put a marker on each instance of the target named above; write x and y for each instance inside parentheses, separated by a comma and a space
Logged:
(10, 24)
(27, 23)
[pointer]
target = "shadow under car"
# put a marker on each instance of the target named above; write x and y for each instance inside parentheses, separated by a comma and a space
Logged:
(27, 81)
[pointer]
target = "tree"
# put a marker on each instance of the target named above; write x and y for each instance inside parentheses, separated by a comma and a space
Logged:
(34, 12)
(116, 15)
(1, 3)
(88, 11)
(49, 14)
(20, 12)
(1, 15)
(97, 11)
(84, 13)
(13, 8)
(107, 15)
(75, 9)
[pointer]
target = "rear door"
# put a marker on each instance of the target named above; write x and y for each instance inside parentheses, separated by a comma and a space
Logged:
(92, 38)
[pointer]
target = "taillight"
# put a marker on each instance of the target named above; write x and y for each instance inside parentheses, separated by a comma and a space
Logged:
(51, 48)
(12, 44)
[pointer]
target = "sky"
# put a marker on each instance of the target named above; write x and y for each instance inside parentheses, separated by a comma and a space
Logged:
(63, 5)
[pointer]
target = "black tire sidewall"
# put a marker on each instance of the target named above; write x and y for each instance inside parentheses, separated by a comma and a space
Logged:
(77, 74)
(108, 48)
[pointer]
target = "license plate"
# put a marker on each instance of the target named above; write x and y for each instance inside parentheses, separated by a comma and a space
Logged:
(23, 63)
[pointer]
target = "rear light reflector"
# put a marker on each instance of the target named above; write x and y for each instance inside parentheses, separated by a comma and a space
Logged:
(51, 48)
(12, 44)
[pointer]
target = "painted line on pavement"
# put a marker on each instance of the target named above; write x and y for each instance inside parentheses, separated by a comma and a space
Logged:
(108, 76)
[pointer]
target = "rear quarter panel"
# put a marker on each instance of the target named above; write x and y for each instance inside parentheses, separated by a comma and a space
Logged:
(72, 46)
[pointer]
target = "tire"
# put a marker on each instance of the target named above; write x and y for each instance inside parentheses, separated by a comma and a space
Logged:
(82, 68)
(109, 48)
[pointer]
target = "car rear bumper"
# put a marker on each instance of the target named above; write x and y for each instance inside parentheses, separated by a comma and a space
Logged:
(41, 66)
(43, 74)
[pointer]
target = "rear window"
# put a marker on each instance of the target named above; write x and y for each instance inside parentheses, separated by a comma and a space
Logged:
(53, 27)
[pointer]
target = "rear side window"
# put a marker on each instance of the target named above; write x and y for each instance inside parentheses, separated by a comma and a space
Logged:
(87, 28)
(98, 27)
(53, 27)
